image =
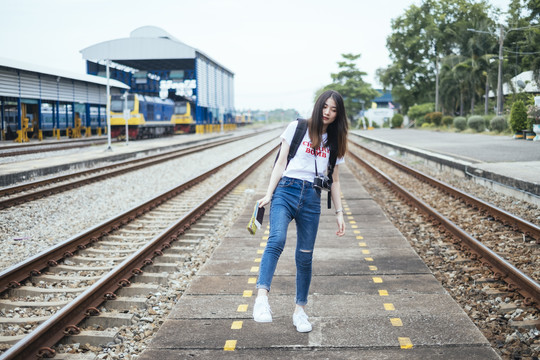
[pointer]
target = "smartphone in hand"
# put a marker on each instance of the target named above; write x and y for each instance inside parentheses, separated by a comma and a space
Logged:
(256, 219)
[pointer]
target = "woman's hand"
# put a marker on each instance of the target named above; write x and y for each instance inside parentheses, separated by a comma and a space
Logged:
(340, 224)
(265, 200)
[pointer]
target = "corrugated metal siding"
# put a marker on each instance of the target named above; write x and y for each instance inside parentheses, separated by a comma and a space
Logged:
(49, 88)
(202, 83)
(212, 101)
(231, 93)
(94, 94)
(81, 92)
(219, 89)
(65, 90)
(30, 85)
(9, 83)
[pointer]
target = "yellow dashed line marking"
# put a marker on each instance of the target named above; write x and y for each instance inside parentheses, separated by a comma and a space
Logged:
(359, 237)
(252, 280)
(254, 269)
(377, 280)
(372, 268)
(352, 222)
(263, 244)
(348, 213)
(396, 322)
(354, 226)
(405, 343)
(383, 292)
(237, 325)
(265, 238)
(257, 260)
(366, 252)
(350, 217)
(242, 308)
(230, 345)
(362, 244)
(389, 307)
(266, 232)
(356, 231)
(248, 293)
(368, 259)
(260, 251)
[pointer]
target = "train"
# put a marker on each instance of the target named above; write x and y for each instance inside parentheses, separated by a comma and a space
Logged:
(150, 116)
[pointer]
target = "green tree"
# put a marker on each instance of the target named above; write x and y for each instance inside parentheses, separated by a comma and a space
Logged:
(421, 37)
(349, 83)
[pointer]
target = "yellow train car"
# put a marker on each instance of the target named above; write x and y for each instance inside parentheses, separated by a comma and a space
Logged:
(182, 118)
(148, 116)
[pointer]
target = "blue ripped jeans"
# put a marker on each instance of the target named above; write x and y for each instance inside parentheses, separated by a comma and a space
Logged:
(299, 200)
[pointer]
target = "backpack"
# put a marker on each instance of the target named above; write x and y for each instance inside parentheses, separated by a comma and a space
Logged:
(299, 133)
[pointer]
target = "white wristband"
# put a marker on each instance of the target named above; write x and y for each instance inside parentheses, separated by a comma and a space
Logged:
(339, 211)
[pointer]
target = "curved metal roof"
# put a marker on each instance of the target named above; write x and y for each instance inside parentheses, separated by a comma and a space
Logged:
(147, 48)
(20, 65)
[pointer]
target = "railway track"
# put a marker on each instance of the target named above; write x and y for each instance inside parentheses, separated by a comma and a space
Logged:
(25, 149)
(19, 194)
(506, 313)
(112, 260)
(466, 218)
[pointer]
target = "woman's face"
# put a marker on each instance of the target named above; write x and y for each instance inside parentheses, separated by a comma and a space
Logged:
(329, 112)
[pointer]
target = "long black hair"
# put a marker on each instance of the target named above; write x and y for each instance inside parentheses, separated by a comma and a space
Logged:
(337, 130)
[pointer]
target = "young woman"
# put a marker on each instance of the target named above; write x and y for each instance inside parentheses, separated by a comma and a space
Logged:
(293, 196)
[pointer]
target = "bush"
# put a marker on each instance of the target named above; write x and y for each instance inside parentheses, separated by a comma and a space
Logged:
(428, 126)
(427, 119)
(417, 112)
(460, 123)
(498, 123)
(518, 116)
(487, 120)
(397, 120)
(447, 121)
(436, 118)
(374, 125)
(476, 123)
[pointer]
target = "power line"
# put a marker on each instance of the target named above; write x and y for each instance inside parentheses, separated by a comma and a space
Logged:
(522, 53)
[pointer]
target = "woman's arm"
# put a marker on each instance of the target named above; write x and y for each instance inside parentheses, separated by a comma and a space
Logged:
(336, 199)
(279, 168)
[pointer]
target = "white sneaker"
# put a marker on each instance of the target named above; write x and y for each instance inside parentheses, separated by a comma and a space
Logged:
(300, 320)
(261, 310)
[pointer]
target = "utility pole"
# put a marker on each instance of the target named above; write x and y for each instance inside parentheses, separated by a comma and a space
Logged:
(437, 84)
(499, 77)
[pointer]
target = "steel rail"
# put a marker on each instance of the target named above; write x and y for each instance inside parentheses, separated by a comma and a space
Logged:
(130, 165)
(47, 148)
(56, 143)
(15, 275)
(509, 219)
(501, 268)
(39, 342)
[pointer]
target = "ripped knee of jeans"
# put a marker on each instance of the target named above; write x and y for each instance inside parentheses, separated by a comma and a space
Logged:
(306, 251)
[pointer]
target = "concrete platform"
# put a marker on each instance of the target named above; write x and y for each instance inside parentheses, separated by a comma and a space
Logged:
(371, 297)
(499, 159)
(88, 157)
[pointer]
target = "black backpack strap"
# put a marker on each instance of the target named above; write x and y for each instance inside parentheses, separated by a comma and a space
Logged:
(299, 133)
(297, 138)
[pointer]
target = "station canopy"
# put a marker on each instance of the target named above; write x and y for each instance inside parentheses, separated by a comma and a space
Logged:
(151, 58)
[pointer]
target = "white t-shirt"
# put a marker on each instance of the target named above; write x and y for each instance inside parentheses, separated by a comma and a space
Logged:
(302, 165)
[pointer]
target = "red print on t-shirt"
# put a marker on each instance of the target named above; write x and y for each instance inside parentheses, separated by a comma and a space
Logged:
(321, 151)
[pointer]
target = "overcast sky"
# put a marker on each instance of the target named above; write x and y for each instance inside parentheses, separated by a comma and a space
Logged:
(281, 51)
